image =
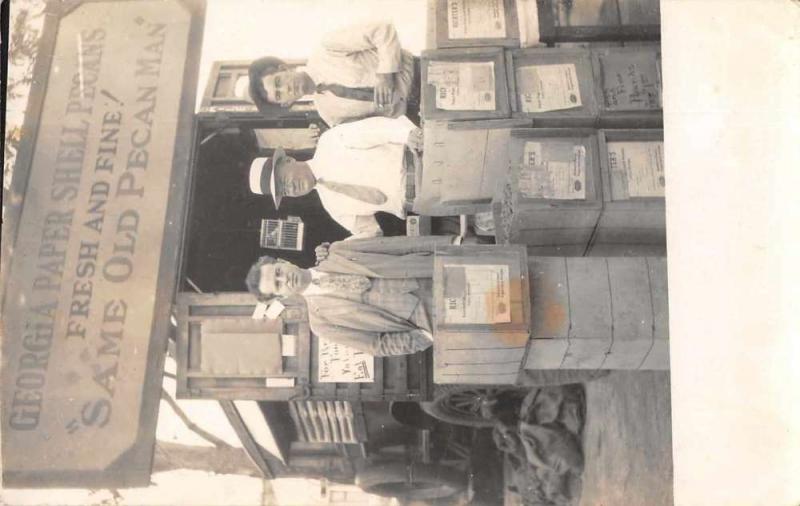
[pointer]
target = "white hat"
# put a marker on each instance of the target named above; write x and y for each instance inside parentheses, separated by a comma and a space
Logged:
(262, 176)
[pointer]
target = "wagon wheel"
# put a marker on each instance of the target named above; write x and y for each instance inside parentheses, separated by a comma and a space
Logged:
(414, 482)
(462, 405)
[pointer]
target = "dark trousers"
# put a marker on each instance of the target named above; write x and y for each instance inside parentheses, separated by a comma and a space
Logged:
(414, 96)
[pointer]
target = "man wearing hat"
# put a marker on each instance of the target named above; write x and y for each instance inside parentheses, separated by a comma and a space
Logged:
(357, 72)
(374, 295)
(358, 169)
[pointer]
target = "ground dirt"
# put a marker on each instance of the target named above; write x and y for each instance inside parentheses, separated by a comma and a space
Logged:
(628, 440)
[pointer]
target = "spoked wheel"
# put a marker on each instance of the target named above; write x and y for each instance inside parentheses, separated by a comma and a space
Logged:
(464, 405)
(413, 482)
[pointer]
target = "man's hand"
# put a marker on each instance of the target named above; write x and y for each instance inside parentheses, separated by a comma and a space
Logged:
(384, 90)
(415, 140)
(322, 251)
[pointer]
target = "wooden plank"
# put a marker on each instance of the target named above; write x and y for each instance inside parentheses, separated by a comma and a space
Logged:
(549, 297)
(182, 349)
(483, 357)
(247, 439)
(563, 250)
(626, 250)
(463, 377)
(658, 356)
(586, 353)
(430, 25)
(630, 299)
(590, 298)
(355, 411)
(302, 435)
(546, 353)
(657, 267)
(627, 355)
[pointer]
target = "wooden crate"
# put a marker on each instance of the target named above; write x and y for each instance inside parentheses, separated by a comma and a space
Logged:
(395, 378)
(440, 17)
(628, 86)
(598, 20)
(463, 162)
(545, 224)
(556, 67)
(495, 56)
(598, 313)
(631, 224)
(481, 353)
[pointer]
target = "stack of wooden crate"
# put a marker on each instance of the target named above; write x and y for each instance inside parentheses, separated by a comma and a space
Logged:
(535, 118)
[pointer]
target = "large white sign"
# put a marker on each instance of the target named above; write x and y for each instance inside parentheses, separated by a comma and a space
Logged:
(342, 364)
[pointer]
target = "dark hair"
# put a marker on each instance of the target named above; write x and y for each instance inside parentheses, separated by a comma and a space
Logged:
(254, 277)
(258, 69)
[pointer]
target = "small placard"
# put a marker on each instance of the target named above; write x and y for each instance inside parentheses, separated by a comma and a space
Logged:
(260, 311)
(275, 309)
(279, 383)
(631, 81)
(476, 19)
(463, 86)
(288, 345)
(546, 88)
(342, 364)
(640, 165)
(476, 294)
(554, 171)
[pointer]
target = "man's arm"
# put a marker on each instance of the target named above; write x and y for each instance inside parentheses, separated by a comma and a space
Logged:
(381, 37)
(365, 327)
(401, 343)
(396, 246)
(372, 132)
(379, 344)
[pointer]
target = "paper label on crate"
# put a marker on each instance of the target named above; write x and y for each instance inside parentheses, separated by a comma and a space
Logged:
(260, 311)
(546, 88)
(342, 364)
(544, 178)
(640, 165)
(476, 294)
(476, 19)
(631, 81)
(463, 86)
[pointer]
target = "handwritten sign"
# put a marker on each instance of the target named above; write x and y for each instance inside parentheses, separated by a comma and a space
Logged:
(342, 364)
(631, 81)
(78, 385)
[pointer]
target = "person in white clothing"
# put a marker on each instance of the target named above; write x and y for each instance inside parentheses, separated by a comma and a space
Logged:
(358, 169)
(356, 72)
